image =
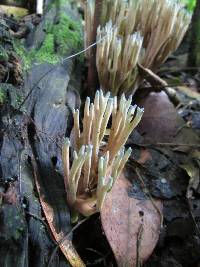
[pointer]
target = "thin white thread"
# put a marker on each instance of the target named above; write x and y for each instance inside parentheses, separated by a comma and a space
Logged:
(84, 50)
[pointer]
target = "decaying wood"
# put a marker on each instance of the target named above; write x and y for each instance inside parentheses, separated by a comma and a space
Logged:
(34, 127)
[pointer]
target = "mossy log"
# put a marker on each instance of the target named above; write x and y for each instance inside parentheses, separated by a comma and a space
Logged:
(35, 116)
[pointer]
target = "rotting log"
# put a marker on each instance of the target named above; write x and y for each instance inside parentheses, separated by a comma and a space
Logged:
(35, 116)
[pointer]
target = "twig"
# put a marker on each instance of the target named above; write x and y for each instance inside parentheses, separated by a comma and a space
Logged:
(98, 261)
(151, 77)
(181, 128)
(168, 71)
(63, 239)
(95, 251)
(20, 172)
(139, 239)
(42, 220)
(193, 218)
(102, 259)
(167, 144)
(161, 86)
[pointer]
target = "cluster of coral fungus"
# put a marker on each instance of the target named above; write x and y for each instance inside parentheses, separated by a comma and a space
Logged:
(128, 33)
(132, 32)
(98, 152)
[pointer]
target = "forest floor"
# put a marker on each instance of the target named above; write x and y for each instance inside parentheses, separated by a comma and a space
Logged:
(34, 118)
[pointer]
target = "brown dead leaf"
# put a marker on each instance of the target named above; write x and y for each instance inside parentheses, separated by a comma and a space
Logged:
(131, 226)
(144, 156)
(161, 122)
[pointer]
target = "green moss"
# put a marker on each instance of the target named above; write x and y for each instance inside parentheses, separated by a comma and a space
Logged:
(190, 4)
(2, 96)
(67, 34)
(19, 99)
(61, 39)
(25, 56)
(47, 51)
(3, 54)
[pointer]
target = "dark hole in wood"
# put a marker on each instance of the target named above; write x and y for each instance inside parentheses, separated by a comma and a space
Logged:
(29, 160)
(54, 160)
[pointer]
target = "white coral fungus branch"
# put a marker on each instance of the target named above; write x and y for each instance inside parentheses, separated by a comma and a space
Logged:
(137, 31)
(96, 163)
(39, 7)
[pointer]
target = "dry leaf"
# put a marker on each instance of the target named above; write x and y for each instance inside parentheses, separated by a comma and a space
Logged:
(162, 124)
(145, 156)
(132, 226)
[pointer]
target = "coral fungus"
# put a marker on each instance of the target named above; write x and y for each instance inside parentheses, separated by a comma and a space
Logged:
(98, 159)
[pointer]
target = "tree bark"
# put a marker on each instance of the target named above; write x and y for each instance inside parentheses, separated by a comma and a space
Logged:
(194, 51)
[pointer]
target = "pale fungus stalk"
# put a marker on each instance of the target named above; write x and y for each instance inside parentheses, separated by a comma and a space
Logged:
(97, 164)
(76, 129)
(89, 19)
(132, 32)
(39, 7)
(66, 165)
